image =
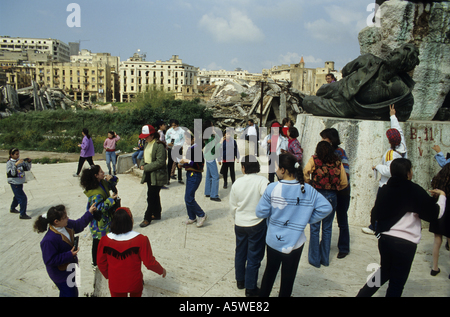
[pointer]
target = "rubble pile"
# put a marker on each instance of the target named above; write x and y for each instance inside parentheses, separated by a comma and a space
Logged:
(38, 99)
(33, 98)
(235, 101)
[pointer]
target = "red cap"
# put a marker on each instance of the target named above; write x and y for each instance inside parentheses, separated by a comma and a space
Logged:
(146, 131)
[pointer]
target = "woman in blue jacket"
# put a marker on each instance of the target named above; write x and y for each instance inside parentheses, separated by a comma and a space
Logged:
(289, 206)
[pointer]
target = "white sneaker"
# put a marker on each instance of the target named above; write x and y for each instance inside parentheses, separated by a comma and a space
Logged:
(367, 230)
(201, 220)
(190, 222)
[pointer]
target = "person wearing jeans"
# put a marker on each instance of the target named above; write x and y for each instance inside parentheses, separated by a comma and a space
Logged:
(249, 229)
(319, 251)
(326, 173)
(110, 147)
(211, 152)
(193, 163)
(15, 172)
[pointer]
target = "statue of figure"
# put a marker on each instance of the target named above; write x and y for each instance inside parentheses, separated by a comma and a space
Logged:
(369, 85)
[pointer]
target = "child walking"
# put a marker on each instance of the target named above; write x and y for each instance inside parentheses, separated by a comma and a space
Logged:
(289, 205)
(399, 208)
(15, 173)
(249, 229)
(193, 163)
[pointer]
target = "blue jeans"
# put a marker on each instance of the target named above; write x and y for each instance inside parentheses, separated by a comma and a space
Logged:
(319, 251)
(250, 249)
(193, 180)
(19, 198)
(111, 156)
(212, 180)
(138, 155)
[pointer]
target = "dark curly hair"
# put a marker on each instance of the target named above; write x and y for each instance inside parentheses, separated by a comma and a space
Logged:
(325, 153)
(442, 180)
(88, 180)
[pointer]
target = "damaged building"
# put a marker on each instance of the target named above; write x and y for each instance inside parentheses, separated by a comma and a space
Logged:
(235, 101)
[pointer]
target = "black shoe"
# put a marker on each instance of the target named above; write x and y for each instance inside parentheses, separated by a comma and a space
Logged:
(252, 292)
(207, 196)
(24, 216)
(173, 177)
(216, 199)
(181, 182)
(240, 284)
(225, 186)
(341, 255)
(434, 273)
(14, 211)
(144, 224)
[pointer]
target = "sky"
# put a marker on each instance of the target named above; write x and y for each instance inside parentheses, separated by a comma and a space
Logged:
(209, 34)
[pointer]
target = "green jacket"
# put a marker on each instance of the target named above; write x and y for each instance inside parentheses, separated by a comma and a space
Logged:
(157, 169)
(104, 202)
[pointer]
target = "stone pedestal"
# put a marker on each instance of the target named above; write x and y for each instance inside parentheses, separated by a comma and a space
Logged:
(427, 26)
(365, 142)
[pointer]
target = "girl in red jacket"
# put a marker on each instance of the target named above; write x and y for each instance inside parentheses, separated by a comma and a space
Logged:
(120, 254)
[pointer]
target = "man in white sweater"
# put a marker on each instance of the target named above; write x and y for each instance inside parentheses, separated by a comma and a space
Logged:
(249, 229)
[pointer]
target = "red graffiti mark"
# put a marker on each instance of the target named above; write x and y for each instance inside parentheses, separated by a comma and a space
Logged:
(428, 134)
(420, 151)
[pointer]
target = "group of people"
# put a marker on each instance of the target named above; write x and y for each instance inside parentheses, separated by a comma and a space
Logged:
(266, 212)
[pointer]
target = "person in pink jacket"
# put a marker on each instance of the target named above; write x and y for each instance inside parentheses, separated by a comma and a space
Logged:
(110, 147)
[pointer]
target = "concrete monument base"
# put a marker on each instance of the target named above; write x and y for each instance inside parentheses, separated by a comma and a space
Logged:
(365, 142)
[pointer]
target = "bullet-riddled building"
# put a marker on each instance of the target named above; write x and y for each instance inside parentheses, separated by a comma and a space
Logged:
(82, 81)
(57, 50)
(173, 75)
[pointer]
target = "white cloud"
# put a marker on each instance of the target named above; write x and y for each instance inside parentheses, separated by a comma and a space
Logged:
(234, 61)
(236, 28)
(342, 24)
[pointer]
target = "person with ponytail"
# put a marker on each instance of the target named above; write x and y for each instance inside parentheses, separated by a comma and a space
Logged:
(289, 205)
(326, 173)
(58, 251)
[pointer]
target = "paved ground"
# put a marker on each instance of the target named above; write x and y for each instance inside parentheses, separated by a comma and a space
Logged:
(199, 261)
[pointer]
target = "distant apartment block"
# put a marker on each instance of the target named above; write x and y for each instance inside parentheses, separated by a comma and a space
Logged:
(86, 56)
(57, 50)
(136, 75)
(206, 77)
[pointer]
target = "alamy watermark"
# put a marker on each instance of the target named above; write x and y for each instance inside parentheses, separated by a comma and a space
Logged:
(374, 18)
(74, 19)
(374, 279)
(74, 278)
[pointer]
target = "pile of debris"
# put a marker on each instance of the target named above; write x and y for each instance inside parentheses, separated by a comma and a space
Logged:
(33, 98)
(235, 101)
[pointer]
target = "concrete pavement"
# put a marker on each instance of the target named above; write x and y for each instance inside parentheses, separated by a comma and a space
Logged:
(199, 261)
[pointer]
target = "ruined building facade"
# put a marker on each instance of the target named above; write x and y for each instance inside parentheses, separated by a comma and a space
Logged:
(307, 80)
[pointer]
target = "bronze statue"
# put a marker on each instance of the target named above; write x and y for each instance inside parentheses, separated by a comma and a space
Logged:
(369, 85)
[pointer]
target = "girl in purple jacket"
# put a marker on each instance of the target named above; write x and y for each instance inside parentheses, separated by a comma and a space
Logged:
(58, 250)
(87, 151)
